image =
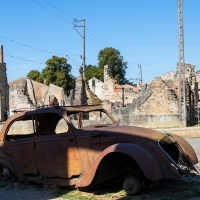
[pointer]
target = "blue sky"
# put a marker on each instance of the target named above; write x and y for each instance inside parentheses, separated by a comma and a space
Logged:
(144, 31)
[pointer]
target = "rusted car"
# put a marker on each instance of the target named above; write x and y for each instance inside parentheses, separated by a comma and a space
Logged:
(82, 146)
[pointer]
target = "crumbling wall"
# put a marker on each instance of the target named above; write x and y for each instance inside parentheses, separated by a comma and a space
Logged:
(19, 95)
(162, 101)
(97, 87)
(57, 92)
(79, 93)
(157, 107)
(113, 91)
(4, 95)
(26, 93)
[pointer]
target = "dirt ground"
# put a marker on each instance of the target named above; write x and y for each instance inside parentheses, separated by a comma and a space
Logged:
(187, 189)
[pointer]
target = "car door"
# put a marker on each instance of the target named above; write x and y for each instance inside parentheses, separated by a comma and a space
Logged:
(56, 150)
(19, 144)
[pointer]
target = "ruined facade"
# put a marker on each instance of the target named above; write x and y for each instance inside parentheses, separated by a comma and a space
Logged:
(157, 105)
(28, 94)
(4, 89)
(111, 91)
(197, 87)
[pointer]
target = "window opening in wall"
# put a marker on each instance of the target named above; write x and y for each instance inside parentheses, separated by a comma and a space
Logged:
(93, 82)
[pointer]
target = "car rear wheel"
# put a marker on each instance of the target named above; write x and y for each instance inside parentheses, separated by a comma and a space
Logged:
(131, 185)
(6, 175)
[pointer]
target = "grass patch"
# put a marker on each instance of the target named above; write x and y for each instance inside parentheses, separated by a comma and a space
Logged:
(3, 184)
(75, 195)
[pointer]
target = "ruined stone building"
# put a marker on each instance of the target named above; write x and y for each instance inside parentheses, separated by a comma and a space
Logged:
(156, 105)
(29, 94)
(111, 91)
(4, 89)
(197, 87)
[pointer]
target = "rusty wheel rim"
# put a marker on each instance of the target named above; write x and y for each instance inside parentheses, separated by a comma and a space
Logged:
(6, 175)
(131, 185)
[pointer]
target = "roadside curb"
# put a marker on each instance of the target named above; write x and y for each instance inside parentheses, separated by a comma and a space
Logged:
(177, 129)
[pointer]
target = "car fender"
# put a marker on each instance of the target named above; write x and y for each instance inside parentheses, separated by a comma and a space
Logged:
(146, 161)
(187, 148)
(8, 162)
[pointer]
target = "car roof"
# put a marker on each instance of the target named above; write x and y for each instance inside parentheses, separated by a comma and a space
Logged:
(69, 109)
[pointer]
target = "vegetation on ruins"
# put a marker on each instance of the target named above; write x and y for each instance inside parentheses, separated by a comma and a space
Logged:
(112, 57)
(93, 71)
(35, 75)
(57, 72)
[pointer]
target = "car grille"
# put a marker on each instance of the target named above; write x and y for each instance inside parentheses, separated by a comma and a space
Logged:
(175, 152)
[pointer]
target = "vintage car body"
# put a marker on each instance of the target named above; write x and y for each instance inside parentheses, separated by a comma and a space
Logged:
(66, 146)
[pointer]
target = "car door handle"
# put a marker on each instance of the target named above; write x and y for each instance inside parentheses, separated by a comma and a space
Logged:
(69, 140)
(4, 149)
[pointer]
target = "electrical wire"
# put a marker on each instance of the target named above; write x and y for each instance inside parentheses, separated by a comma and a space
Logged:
(32, 47)
(58, 9)
(52, 12)
(24, 59)
(69, 56)
(68, 21)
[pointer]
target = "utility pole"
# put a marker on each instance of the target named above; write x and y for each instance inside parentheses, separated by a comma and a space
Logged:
(122, 96)
(181, 66)
(139, 66)
(83, 36)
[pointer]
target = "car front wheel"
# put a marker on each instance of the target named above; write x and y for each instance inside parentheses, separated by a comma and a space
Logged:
(131, 185)
(6, 175)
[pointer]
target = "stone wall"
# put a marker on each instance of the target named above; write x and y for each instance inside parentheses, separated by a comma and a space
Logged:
(157, 107)
(4, 94)
(4, 89)
(26, 93)
(110, 90)
(18, 95)
(97, 87)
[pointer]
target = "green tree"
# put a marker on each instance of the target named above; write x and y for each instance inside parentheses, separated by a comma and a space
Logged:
(112, 57)
(93, 71)
(35, 75)
(57, 72)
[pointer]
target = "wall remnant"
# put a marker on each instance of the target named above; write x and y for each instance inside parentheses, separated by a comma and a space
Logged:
(29, 94)
(4, 88)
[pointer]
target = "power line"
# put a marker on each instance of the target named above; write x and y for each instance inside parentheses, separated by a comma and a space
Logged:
(69, 56)
(67, 20)
(95, 37)
(32, 47)
(32, 60)
(24, 59)
(52, 12)
(58, 9)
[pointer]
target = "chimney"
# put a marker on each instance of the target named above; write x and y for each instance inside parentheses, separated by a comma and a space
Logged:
(1, 54)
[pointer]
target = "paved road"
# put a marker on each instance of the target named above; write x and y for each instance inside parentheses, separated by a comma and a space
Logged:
(195, 143)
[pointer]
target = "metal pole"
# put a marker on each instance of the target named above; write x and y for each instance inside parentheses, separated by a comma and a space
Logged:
(122, 97)
(140, 76)
(181, 66)
(83, 36)
(83, 48)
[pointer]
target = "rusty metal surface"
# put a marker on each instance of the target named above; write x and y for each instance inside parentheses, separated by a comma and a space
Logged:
(187, 148)
(84, 155)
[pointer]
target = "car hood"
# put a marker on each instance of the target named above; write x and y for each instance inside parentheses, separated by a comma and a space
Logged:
(127, 131)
